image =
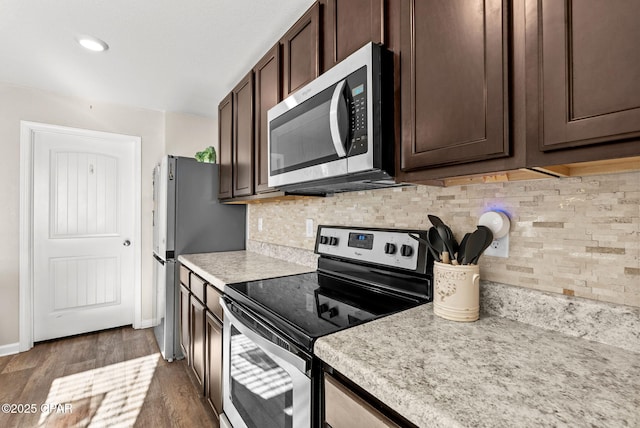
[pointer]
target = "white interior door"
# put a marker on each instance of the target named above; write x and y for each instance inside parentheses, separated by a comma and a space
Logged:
(83, 228)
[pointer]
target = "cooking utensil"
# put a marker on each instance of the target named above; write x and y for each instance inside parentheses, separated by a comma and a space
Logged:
(463, 243)
(453, 244)
(477, 242)
(487, 241)
(435, 220)
(434, 253)
(437, 243)
(446, 236)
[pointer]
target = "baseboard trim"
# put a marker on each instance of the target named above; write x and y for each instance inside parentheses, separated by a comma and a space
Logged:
(145, 324)
(10, 349)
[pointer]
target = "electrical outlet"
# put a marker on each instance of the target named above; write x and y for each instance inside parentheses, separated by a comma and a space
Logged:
(498, 248)
(259, 224)
(309, 224)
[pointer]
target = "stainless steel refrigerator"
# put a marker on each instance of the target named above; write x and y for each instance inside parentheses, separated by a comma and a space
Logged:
(187, 219)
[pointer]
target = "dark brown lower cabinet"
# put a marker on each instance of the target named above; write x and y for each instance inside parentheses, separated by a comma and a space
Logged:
(213, 384)
(184, 322)
(345, 409)
(197, 339)
(201, 336)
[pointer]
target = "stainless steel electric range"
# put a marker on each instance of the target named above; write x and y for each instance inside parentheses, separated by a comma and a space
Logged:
(271, 378)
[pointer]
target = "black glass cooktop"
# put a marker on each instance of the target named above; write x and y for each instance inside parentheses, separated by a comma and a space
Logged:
(307, 306)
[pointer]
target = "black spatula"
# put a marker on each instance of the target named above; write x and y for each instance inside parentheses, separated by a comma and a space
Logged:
(477, 242)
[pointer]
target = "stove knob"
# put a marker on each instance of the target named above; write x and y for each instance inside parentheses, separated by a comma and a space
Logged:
(332, 312)
(390, 248)
(406, 250)
(333, 241)
(324, 240)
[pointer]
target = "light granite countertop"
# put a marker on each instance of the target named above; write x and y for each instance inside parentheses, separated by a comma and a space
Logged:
(229, 267)
(494, 372)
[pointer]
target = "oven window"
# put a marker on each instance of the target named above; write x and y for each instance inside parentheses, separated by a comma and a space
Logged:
(261, 390)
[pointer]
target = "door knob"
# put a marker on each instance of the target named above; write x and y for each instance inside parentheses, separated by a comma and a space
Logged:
(126, 243)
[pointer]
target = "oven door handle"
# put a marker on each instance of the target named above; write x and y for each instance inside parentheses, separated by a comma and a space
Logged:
(299, 363)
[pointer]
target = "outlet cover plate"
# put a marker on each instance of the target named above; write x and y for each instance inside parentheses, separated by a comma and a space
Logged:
(309, 224)
(498, 248)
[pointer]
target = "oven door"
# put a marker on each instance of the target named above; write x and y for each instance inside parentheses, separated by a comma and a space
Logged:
(264, 384)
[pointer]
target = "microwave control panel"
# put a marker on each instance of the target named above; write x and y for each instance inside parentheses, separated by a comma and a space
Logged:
(358, 112)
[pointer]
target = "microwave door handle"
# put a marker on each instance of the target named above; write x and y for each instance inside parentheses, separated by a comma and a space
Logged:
(337, 139)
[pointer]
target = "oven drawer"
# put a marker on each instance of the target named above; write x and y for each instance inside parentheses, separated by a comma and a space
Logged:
(197, 287)
(213, 301)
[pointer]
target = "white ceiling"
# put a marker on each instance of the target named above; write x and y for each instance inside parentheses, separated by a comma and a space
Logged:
(170, 55)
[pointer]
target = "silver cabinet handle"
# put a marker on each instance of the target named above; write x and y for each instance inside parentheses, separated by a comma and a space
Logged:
(126, 243)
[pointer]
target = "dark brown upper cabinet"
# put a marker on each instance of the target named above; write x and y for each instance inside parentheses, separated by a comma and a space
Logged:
(348, 25)
(243, 137)
(454, 82)
(225, 147)
(301, 51)
(583, 81)
(268, 90)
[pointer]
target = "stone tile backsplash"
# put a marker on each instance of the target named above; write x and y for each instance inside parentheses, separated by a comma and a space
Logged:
(577, 236)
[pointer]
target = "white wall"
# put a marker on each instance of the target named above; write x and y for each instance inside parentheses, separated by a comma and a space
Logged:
(187, 134)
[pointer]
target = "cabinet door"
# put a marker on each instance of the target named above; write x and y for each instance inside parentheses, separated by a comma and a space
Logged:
(197, 339)
(185, 331)
(345, 409)
(301, 51)
(267, 91)
(589, 57)
(213, 388)
(348, 25)
(454, 82)
(243, 137)
(225, 147)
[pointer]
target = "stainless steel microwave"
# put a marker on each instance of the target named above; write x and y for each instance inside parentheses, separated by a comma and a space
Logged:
(336, 133)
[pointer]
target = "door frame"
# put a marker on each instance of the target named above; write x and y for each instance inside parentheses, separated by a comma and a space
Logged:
(27, 131)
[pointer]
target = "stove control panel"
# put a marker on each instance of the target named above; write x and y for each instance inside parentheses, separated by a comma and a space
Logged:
(386, 247)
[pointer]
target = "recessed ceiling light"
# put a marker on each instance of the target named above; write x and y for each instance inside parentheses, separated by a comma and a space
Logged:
(93, 44)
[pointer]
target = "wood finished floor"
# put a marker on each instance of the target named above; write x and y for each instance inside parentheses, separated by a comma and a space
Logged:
(110, 378)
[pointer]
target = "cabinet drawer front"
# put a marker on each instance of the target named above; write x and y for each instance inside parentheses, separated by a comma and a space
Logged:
(213, 301)
(198, 287)
(345, 409)
(184, 276)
